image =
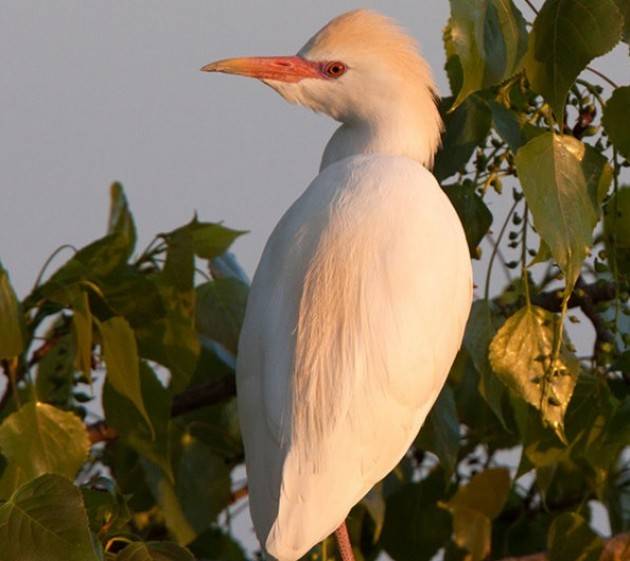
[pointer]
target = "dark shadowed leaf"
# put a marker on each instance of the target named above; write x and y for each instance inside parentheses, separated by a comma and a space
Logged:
(105, 506)
(415, 527)
(374, 503)
(490, 38)
(121, 358)
(193, 502)
(506, 123)
(556, 188)
(474, 506)
(154, 551)
(624, 8)
(46, 519)
(571, 539)
(472, 211)
(567, 35)
(615, 118)
(11, 334)
(221, 309)
(440, 432)
(465, 129)
(214, 545)
(132, 426)
(55, 371)
(39, 438)
(520, 354)
(479, 332)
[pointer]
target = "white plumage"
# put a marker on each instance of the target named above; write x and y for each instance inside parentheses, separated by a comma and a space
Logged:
(359, 302)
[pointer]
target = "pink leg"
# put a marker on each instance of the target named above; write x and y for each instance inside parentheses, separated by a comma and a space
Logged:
(343, 543)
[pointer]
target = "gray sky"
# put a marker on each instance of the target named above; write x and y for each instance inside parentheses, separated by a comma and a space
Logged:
(101, 91)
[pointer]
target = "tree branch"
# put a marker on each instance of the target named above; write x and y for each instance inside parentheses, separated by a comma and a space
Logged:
(594, 293)
(617, 548)
(195, 397)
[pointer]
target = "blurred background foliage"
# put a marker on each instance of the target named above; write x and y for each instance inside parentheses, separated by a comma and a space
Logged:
(119, 438)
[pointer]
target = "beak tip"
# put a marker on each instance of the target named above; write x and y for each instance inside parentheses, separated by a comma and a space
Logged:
(209, 67)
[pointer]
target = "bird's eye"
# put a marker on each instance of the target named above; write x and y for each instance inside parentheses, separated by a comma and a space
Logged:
(334, 69)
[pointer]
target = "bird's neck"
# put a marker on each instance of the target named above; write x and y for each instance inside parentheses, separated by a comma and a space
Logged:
(406, 132)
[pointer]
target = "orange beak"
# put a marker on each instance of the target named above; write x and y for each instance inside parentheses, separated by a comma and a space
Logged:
(280, 68)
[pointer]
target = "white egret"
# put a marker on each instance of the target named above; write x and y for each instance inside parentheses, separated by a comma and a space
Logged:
(358, 306)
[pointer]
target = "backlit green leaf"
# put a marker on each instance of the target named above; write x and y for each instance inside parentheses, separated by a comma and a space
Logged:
(490, 38)
(567, 35)
(551, 171)
(39, 438)
(46, 519)
(121, 358)
(11, 334)
(520, 354)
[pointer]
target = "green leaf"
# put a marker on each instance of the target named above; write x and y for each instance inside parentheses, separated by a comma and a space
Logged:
(193, 502)
(617, 235)
(39, 438)
(571, 539)
(615, 118)
(154, 551)
(11, 333)
(566, 36)
(474, 506)
(106, 508)
(202, 499)
(208, 239)
(507, 125)
(82, 330)
(415, 527)
(121, 358)
(120, 219)
(440, 431)
(554, 178)
(214, 545)
(490, 38)
(150, 441)
(221, 309)
(45, 519)
(472, 211)
(133, 295)
(465, 128)
(479, 332)
(520, 354)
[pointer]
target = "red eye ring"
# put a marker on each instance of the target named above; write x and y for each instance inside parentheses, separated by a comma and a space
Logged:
(334, 69)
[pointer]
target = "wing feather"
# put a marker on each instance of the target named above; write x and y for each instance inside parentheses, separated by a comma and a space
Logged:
(356, 314)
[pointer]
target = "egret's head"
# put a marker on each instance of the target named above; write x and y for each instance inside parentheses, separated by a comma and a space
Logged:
(360, 67)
